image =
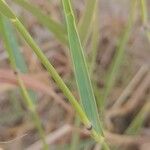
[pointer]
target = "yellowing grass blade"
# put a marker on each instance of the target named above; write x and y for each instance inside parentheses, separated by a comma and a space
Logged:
(90, 109)
(80, 69)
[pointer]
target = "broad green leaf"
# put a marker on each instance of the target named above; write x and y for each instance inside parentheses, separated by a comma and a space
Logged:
(53, 26)
(80, 69)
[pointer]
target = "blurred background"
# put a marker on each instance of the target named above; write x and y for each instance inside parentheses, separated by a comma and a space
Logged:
(127, 114)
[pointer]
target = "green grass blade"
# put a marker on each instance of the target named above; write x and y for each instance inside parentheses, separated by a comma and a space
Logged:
(144, 12)
(75, 141)
(16, 58)
(31, 107)
(80, 69)
(3, 9)
(130, 88)
(17, 62)
(97, 136)
(94, 41)
(86, 19)
(139, 119)
(111, 75)
(53, 26)
(51, 70)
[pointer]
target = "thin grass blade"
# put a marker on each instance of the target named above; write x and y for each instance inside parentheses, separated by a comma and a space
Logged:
(111, 75)
(145, 22)
(57, 29)
(3, 9)
(144, 11)
(16, 58)
(131, 86)
(95, 128)
(75, 141)
(80, 69)
(86, 19)
(51, 70)
(94, 41)
(31, 107)
(139, 119)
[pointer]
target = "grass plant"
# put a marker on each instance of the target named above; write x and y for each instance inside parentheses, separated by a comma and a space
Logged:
(17, 62)
(83, 113)
(74, 35)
